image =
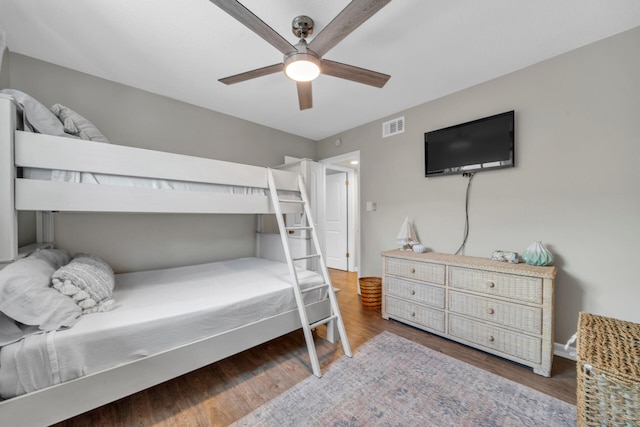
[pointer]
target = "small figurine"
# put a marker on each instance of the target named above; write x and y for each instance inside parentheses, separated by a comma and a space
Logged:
(505, 256)
(406, 237)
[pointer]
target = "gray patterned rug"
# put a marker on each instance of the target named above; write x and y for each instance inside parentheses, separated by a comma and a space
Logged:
(392, 381)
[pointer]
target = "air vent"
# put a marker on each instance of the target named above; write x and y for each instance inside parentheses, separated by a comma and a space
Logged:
(393, 127)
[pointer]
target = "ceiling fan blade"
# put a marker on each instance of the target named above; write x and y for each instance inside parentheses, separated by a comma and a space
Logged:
(255, 24)
(264, 71)
(355, 74)
(351, 17)
(305, 96)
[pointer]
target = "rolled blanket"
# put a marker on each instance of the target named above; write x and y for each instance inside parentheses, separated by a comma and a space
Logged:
(88, 280)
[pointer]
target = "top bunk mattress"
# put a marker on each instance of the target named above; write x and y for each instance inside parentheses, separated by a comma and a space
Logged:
(136, 182)
(155, 311)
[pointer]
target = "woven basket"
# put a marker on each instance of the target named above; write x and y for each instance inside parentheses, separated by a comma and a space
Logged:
(371, 292)
(608, 372)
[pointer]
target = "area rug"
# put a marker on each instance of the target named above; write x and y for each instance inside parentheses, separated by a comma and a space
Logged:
(392, 381)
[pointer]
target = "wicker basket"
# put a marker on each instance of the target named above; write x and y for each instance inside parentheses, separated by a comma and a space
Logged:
(371, 292)
(608, 372)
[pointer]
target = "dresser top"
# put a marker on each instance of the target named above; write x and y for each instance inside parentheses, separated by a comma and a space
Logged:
(475, 262)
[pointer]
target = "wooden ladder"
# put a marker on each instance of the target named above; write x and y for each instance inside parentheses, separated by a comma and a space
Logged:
(306, 224)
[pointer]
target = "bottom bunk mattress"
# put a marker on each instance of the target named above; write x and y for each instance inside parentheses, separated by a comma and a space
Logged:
(154, 311)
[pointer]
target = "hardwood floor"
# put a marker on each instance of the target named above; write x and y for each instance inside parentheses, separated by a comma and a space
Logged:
(223, 392)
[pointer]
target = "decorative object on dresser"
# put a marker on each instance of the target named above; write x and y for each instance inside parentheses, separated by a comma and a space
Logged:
(406, 236)
(537, 254)
(501, 308)
(505, 256)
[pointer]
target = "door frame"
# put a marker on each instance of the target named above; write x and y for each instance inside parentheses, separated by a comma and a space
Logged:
(353, 204)
(344, 177)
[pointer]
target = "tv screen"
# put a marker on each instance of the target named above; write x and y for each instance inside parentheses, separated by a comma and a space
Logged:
(474, 146)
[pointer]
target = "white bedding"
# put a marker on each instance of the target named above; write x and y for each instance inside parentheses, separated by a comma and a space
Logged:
(132, 181)
(155, 311)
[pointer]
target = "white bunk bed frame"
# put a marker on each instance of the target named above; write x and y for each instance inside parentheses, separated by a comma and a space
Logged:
(25, 149)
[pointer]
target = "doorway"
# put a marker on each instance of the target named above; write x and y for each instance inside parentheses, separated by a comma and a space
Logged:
(342, 217)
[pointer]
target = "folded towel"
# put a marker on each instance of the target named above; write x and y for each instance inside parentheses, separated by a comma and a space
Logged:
(88, 280)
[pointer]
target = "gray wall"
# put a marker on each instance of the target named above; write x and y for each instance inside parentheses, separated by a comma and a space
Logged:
(575, 185)
(132, 117)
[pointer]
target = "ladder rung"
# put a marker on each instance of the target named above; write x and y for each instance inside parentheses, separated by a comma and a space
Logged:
(323, 321)
(291, 201)
(313, 288)
(306, 257)
(299, 228)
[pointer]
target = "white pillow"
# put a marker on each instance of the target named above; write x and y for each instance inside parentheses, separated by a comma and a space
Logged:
(26, 294)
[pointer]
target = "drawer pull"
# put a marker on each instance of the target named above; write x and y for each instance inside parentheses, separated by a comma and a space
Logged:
(491, 338)
(491, 284)
(413, 314)
(413, 270)
(490, 311)
(413, 292)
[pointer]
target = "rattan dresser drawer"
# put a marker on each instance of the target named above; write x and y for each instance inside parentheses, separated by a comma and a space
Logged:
(417, 292)
(417, 270)
(415, 313)
(495, 338)
(521, 288)
(515, 316)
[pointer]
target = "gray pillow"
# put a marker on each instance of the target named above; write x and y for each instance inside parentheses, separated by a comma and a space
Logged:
(37, 117)
(27, 297)
(76, 124)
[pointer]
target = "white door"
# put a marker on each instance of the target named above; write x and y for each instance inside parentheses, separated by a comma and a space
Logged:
(336, 230)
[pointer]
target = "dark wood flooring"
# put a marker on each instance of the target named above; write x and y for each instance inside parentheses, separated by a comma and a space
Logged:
(223, 392)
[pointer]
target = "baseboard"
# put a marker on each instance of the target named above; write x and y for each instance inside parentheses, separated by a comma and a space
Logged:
(570, 353)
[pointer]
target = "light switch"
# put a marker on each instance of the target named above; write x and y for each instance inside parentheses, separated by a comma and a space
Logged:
(371, 206)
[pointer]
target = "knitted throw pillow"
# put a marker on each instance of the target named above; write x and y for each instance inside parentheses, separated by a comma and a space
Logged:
(88, 280)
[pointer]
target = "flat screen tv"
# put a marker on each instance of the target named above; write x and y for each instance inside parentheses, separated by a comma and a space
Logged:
(479, 145)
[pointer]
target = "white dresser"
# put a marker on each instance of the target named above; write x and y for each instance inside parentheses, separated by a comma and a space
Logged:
(501, 308)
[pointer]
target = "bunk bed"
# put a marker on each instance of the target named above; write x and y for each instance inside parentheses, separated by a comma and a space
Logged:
(196, 190)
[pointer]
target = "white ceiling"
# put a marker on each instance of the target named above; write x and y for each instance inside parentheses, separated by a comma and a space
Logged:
(430, 48)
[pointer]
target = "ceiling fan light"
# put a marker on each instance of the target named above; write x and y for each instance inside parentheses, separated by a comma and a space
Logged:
(302, 67)
(302, 71)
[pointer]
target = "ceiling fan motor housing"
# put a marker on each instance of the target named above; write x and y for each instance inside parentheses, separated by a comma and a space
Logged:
(302, 26)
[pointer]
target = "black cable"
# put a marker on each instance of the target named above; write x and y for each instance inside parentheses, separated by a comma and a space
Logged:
(466, 213)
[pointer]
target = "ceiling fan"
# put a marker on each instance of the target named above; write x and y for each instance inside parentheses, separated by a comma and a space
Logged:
(303, 62)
